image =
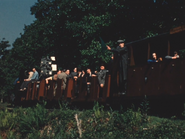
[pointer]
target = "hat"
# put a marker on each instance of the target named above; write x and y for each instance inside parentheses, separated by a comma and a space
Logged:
(121, 41)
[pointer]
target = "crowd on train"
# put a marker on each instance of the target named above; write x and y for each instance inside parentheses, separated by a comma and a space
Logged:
(65, 74)
(78, 73)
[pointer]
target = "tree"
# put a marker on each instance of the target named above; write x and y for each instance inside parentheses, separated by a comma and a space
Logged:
(4, 51)
(3, 47)
(70, 30)
(64, 28)
(95, 53)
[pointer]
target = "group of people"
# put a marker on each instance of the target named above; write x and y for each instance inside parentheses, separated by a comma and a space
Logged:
(65, 75)
(122, 57)
(121, 51)
(79, 73)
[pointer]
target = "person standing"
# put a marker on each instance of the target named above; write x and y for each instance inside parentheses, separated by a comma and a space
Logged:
(122, 56)
(101, 79)
(101, 75)
(65, 73)
(88, 78)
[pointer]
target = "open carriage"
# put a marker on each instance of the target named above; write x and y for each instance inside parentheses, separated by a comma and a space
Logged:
(164, 78)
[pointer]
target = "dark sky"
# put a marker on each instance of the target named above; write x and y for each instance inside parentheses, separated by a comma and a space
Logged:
(14, 14)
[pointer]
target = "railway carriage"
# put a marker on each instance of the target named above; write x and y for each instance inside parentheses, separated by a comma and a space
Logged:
(165, 78)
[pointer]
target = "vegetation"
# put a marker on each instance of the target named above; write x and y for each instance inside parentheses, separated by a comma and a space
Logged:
(71, 30)
(42, 123)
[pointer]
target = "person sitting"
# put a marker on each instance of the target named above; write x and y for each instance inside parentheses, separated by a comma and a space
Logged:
(34, 77)
(77, 78)
(101, 75)
(74, 74)
(88, 77)
(173, 57)
(154, 58)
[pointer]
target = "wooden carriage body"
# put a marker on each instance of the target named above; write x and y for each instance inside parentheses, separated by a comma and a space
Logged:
(164, 78)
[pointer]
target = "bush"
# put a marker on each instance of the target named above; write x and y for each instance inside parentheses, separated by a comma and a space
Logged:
(42, 123)
(7, 120)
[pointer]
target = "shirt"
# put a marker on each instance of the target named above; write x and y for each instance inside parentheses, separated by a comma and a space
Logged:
(35, 76)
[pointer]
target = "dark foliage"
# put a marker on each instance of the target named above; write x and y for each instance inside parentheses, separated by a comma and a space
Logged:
(70, 30)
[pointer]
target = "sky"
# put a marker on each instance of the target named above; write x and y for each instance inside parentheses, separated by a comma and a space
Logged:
(14, 14)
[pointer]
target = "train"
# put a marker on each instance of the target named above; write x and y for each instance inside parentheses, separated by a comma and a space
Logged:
(159, 79)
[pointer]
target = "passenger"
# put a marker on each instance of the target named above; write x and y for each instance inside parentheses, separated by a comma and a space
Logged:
(88, 77)
(101, 75)
(81, 72)
(80, 78)
(101, 79)
(173, 57)
(63, 76)
(154, 58)
(25, 83)
(54, 77)
(73, 74)
(30, 74)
